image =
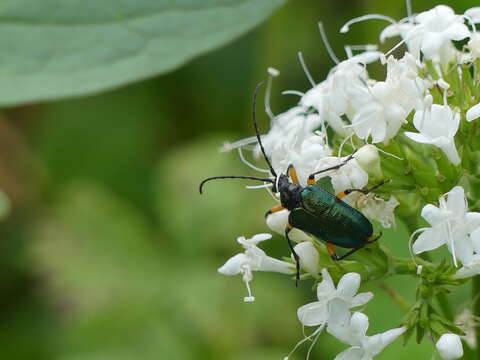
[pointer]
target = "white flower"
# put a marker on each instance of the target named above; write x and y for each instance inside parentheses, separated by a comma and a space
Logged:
(473, 113)
(277, 222)
(293, 139)
(431, 33)
(451, 224)
(309, 257)
(437, 126)
(474, 46)
(349, 176)
(377, 208)
(345, 85)
(382, 113)
(473, 14)
(363, 347)
(334, 304)
(449, 347)
(253, 259)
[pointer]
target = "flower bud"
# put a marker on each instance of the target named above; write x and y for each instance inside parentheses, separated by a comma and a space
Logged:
(278, 221)
(449, 346)
(309, 257)
(369, 160)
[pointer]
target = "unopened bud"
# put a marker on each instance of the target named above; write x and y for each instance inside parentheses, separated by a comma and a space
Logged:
(449, 347)
(309, 257)
(369, 160)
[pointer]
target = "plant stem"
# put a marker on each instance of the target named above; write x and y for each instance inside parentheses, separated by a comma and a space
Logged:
(476, 309)
(445, 306)
(402, 303)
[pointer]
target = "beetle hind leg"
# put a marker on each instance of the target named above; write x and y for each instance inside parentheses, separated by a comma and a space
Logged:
(370, 240)
(373, 238)
(289, 228)
(331, 251)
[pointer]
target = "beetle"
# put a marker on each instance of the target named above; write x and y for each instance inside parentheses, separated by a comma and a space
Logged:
(313, 209)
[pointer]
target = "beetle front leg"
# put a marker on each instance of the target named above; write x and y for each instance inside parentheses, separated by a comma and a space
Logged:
(289, 228)
(274, 210)
(311, 178)
(293, 174)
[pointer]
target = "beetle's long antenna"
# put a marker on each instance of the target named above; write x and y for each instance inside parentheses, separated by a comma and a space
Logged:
(254, 119)
(200, 188)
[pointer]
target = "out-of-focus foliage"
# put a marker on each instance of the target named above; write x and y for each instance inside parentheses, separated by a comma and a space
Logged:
(111, 253)
(54, 49)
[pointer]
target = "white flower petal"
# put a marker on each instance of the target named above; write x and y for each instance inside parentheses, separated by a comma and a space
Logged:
(451, 152)
(457, 32)
(260, 237)
(456, 202)
(428, 240)
(361, 299)
(359, 324)
(391, 335)
(313, 314)
(352, 353)
(473, 14)
(269, 263)
(326, 288)
(473, 113)
(422, 139)
(339, 312)
(232, 266)
(432, 214)
(348, 285)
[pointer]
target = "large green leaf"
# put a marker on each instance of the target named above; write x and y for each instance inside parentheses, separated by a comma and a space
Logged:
(59, 48)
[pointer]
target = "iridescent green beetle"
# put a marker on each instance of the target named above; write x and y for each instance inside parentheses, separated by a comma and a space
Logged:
(313, 209)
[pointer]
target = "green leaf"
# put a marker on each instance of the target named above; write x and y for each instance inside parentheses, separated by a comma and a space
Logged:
(55, 49)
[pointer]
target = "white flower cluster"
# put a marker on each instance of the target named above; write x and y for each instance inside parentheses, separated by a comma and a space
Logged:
(332, 312)
(415, 103)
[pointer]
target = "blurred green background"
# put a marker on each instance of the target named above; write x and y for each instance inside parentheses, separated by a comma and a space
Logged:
(111, 253)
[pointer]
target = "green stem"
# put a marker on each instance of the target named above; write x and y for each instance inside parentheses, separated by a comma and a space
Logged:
(476, 310)
(402, 303)
(445, 306)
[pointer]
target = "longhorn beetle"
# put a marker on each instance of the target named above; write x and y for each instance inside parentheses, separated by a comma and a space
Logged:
(313, 209)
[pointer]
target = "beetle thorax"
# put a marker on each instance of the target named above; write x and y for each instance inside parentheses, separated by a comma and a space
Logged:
(289, 193)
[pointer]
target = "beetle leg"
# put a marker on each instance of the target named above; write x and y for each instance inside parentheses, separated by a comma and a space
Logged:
(369, 241)
(335, 167)
(349, 253)
(293, 174)
(274, 210)
(363, 191)
(289, 228)
(331, 251)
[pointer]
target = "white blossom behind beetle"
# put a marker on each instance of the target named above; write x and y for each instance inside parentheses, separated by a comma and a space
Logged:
(253, 259)
(431, 33)
(278, 221)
